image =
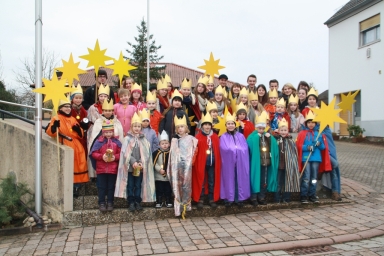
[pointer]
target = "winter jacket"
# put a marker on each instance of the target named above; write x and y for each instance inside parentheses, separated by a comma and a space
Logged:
(167, 123)
(103, 167)
(150, 135)
(310, 140)
(155, 119)
(89, 96)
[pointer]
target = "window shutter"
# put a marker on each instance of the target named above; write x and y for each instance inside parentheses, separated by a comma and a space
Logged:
(371, 22)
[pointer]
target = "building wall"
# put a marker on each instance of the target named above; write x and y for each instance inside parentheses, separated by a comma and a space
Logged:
(350, 69)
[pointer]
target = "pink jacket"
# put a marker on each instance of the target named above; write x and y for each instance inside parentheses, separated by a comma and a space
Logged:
(124, 114)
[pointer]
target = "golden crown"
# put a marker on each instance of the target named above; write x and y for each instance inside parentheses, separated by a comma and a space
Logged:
(161, 84)
(210, 106)
(186, 83)
(281, 102)
(273, 93)
(135, 119)
(253, 96)
(145, 114)
(241, 106)
(107, 125)
(180, 121)
(310, 116)
(151, 96)
(219, 89)
(176, 93)
(243, 91)
(63, 102)
(167, 79)
(229, 118)
(103, 89)
(136, 86)
(206, 118)
(203, 80)
(293, 99)
(312, 91)
(262, 118)
(211, 80)
(107, 105)
(283, 122)
(78, 90)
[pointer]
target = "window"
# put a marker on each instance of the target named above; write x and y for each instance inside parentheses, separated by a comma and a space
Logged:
(370, 30)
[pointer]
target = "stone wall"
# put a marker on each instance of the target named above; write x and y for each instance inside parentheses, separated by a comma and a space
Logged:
(17, 155)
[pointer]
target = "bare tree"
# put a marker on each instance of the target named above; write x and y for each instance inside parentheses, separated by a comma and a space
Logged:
(25, 76)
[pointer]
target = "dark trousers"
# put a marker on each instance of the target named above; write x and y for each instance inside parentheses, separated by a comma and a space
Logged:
(280, 194)
(106, 187)
(163, 189)
(210, 175)
(134, 188)
(263, 183)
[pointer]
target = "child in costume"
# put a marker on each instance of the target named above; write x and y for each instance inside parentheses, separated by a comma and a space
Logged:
(270, 107)
(255, 108)
(136, 98)
(79, 112)
(279, 115)
(190, 105)
(297, 119)
(235, 185)
(206, 171)
(200, 92)
(149, 133)
(264, 158)
(123, 111)
(160, 160)
(167, 123)
(155, 116)
(309, 147)
(67, 125)
(95, 111)
(246, 127)
(179, 171)
(107, 110)
(162, 96)
(105, 155)
(211, 109)
(288, 177)
(312, 99)
(135, 177)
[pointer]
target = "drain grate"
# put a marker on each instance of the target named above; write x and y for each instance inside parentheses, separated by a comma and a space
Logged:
(311, 250)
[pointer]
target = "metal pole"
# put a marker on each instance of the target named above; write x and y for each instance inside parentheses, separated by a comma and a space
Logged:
(148, 44)
(38, 104)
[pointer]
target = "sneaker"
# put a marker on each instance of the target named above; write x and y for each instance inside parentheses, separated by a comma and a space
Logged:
(284, 201)
(139, 207)
(254, 203)
(314, 199)
(102, 207)
(213, 204)
(200, 205)
(110, 207)
(169, 205)
(131, 207)
(336, 196)
(304, 200)
(158, 205)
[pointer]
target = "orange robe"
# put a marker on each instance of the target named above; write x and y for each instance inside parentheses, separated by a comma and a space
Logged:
(271, 109)
(80, 162)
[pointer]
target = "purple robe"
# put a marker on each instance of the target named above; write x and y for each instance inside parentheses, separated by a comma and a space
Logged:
(234, 155)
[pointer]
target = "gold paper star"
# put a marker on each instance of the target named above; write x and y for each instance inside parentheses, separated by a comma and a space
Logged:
(327, 115)
(71, 70)
(54, 90)
(347, 101)
(190, 118)
(221, 124)
(211, 66)
(121, 67)
(96, 57)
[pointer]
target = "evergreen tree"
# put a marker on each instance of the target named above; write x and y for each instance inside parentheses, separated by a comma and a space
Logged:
(138, 57)
(10, 96)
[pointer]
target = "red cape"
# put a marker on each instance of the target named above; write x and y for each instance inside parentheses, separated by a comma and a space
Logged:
(154, 121)
(325, 165)
(196, 109)
(198, 171)
(248, 128)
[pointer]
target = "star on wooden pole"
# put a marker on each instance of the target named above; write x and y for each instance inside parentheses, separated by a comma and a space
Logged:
(211, 66)
(347, 101)
(121, 67)
(71, 70)
(221, 124)
(96, 57)
(327, 115)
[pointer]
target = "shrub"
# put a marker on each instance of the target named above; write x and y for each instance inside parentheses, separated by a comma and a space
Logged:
(355, 131)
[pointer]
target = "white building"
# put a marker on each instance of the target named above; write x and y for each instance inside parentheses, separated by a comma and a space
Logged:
(356, 62)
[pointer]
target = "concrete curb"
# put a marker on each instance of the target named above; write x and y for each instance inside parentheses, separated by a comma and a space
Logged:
(285, 245)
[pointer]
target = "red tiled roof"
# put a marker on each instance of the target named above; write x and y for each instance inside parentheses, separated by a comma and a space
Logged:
(88, 79)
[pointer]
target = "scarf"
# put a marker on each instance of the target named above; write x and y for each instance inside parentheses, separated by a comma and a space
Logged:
(220, 107)
(202, 102)
(163, 101)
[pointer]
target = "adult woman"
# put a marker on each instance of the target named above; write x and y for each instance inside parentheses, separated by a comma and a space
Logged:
(162, 96)
(287, 90)
(302, 93)
(262, 92)
(200, 92)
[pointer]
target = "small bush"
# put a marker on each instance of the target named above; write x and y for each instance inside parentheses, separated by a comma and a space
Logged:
(355, 131)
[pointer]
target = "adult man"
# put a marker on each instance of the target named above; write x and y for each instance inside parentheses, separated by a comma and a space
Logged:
(223, 82)
(251, 80)
(89, 95)
(274, 84)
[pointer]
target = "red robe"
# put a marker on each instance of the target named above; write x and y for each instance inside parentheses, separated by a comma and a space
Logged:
(325, 165)
(198, 170)
(154, 121)
(248, 128)
(79, 116)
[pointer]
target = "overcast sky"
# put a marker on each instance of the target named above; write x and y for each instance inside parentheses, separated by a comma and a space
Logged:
(281, 39)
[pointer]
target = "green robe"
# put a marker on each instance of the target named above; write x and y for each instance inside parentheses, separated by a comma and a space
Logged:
(255, 166)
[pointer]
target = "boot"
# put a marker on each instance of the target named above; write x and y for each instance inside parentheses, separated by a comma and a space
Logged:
(132, 207)
(139, 207)
(200, 205)
(336, 196)
(102, 207)
(212, 204)
(110, 207)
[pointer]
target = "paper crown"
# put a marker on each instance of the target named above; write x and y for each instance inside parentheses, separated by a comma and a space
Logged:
(310, 115)
(273, 93)
(243, 91)
(161, 84)
(151, 96)
(283, 122)
(135, 119)
(206, 118)
(262, 119)
(107, 125)
(167, 79)
(163, 136)
(293, 99)
(229, 118)
(211, 80)
(176, 93)
(241, 106)
(219, 89)
(145, 114)
(253, 96)
(281, 102)
(180, 121)
(103, 89)
(210, 106)
(313, 92)
(107, 105)
(186, 83)
(63, 102)
(136, 87)
(77, 90)
(203, 80)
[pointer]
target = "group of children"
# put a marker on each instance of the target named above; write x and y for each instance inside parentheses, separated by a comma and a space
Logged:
(167, 150)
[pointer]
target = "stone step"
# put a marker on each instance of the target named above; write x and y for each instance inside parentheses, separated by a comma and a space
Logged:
(86, 217)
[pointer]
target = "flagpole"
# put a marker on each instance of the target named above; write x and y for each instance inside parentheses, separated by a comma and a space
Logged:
(148, 45)
(38, 105)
